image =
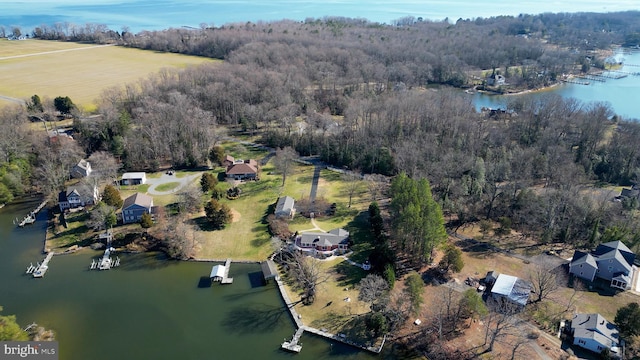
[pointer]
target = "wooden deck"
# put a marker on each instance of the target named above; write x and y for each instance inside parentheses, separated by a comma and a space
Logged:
(226, 279)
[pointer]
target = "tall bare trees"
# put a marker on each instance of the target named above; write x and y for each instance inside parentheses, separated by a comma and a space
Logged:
(284, 161)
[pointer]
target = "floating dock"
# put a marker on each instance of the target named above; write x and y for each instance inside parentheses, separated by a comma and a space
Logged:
(41, 269)
(106, 262)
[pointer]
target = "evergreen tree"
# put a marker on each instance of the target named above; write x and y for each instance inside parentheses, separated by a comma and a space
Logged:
(628, 320)
(418, 222)
(146, 221)
(63, 104)
(452, 259)
(218, 214)
(414, 287)
(208, 182)
(216, 155)
(111, 197)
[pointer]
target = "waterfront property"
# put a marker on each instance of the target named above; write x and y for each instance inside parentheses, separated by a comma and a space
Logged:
(322, 244)
(269, 270)
(134, 206)
(220, 273)
(610, 261)
(78, 195)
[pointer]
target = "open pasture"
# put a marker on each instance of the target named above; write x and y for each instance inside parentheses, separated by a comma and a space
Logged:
(80, 71)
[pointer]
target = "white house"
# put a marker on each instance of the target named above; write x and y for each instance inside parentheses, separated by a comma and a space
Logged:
(81, 170)
(593, 332)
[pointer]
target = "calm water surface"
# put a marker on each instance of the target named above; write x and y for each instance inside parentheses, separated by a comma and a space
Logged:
(622, 94)
(147, 308)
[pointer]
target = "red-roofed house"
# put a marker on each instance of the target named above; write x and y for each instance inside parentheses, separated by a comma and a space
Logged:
(242, 169)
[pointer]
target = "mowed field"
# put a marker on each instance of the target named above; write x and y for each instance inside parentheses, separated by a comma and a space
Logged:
(80, 71)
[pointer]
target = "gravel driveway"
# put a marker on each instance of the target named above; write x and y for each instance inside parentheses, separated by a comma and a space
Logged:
(165, 178)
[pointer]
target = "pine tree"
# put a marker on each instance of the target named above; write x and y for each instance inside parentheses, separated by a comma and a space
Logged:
(111, 197)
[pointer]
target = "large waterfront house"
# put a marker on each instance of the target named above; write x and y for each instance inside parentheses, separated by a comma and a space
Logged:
(134, 206)
(511, 291)
(285, 208)
(611, 262)
(241, 169)
(78, 195)
(593, 332)
(133, 178)
(321, 244)
(81, 170)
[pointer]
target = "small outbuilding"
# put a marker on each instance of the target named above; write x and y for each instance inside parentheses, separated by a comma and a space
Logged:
(285, 207)
(269, 270)
(133, 178)
(217, 273)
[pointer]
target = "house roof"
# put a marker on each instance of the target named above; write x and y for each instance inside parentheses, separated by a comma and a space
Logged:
(285, 203)
(240, 169)
(217, 271)
(83, 164)
(580, 257)
(269, 269)
(139, 199)
(333, 237)
(596, 327)
(517, 290)
(133, 175)
(617, 246)
(229, 158)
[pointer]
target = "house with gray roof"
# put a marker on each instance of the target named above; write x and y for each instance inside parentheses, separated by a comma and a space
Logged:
(512, 290)
(81, 170)
(134, 206)
(593, 332)
(323, 244)
(610, 261)
(285, 207)
(78, 195)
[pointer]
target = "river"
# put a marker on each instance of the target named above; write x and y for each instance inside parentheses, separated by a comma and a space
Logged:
(149, 307)
(621, 94)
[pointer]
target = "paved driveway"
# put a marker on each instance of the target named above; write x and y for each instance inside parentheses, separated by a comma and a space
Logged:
(165, 178)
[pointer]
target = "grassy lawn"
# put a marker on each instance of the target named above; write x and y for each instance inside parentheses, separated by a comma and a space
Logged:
(75, 233)
(167, 186)
(330, 310)
(82, 71)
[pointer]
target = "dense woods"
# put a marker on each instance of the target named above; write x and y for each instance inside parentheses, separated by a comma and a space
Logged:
(361, 95)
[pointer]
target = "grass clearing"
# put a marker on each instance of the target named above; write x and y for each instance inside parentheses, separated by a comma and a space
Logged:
(167, 186)
(80, 71)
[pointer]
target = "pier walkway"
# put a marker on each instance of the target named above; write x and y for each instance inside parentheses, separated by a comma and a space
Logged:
(31, 218)
(42, 268)
(226, 279)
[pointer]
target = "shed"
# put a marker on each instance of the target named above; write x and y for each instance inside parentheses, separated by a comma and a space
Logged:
(269, 270)
(134, 178)
(217, 273)
(285, 207)
(512, 289)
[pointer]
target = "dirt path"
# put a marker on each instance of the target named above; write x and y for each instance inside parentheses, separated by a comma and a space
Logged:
(53, 52)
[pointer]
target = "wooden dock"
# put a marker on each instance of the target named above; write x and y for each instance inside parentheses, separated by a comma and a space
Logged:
(226, 279)
(31, 217)
(41, 269)
(293, 344)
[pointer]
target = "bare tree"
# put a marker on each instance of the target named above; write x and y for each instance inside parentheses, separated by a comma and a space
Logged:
(104, 168)
(500, 322)
(353, 182)
(307, 275)
(102, 217)
(544, 280)
(373, 289)
(283, 161)
(190, 199)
